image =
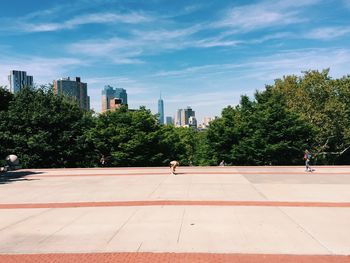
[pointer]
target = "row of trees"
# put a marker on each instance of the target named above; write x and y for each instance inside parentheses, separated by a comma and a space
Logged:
(296, 113)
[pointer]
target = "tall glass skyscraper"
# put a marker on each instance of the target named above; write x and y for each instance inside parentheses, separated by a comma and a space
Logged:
(109, 93)
(18, 80)
(161, 110)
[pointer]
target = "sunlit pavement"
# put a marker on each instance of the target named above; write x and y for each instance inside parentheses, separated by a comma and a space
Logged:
(202, 214)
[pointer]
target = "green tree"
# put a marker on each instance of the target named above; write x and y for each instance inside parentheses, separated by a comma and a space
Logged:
(127, 138)
(325, 104)
(5, 98)
(45, 130)
(260, 132)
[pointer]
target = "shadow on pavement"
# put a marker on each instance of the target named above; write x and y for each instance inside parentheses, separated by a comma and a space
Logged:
(13, 176)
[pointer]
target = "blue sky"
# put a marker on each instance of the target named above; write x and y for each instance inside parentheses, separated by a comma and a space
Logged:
(203, 54)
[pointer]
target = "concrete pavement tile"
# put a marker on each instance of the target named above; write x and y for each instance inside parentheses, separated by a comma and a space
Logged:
(10, 218)
(307, 192)
(90, 232)
(304, 178)
(329, 226)
(150, 229)
(30, 235)
(244, 230)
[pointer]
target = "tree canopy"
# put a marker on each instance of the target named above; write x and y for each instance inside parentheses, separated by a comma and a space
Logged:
(311, 111)
(44, 130)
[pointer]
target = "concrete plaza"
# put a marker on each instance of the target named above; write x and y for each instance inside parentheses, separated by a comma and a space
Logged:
(202, 214)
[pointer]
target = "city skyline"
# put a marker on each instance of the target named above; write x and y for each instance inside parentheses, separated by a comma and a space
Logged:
(203, 54)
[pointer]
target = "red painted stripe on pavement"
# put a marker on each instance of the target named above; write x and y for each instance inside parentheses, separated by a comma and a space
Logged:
(183, 174)
(146, 257)
(195, 167)
(173, 203)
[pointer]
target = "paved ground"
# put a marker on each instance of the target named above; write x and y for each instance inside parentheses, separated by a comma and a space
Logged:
(203, 214)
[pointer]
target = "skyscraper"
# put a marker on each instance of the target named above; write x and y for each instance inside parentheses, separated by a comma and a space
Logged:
(161, 110)
(182, 116)
(74, 89)
(109, 93)
(169, 120)
(192, 122)
(178, 117)
(187, 113)
(19, 80)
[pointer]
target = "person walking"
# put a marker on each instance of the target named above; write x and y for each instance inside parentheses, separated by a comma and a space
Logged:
(307, 157)
(173, 165)
(103, 161)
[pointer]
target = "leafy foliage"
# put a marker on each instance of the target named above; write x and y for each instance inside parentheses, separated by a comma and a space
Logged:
(45, 130)
(127, 138)
(275, 127)
(324, 103)
(260, 132)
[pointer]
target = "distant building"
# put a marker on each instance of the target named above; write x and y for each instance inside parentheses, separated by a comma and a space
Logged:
(207, 120)
(115, 104)
(109, 94)
(74, 89)
(186, 114)
(160, 111)
(169, 120)
(182, 117)
(192, 122)
(18, 80)
(178, 118)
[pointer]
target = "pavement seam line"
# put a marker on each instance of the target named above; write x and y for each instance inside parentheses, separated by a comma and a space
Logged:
(63, 227)
(120, 228)
(24, 219)
(138, 249)
(259, 192)
(182, 221)
(305, 230)
(157, 187)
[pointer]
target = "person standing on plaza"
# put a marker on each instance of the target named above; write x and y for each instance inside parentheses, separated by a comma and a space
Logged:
(103, 161)
(173, 165)
(307, 157)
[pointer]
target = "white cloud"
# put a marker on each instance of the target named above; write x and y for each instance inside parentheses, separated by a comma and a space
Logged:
(115, 50)
(328, 33)
(95, 18)
(126, 50)
(161, 35)
(44, 70)
(109, 80)
(270, 67)
(263, 14)
(214, 42)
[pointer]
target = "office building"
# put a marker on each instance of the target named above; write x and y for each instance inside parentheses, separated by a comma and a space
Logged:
(73, 88)
(169, 120)
(160, 111)
(182, 117)
(186, 114)
(109, 94)
(18, 80)
(178, 118)
(115, 104)
(192, 122)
